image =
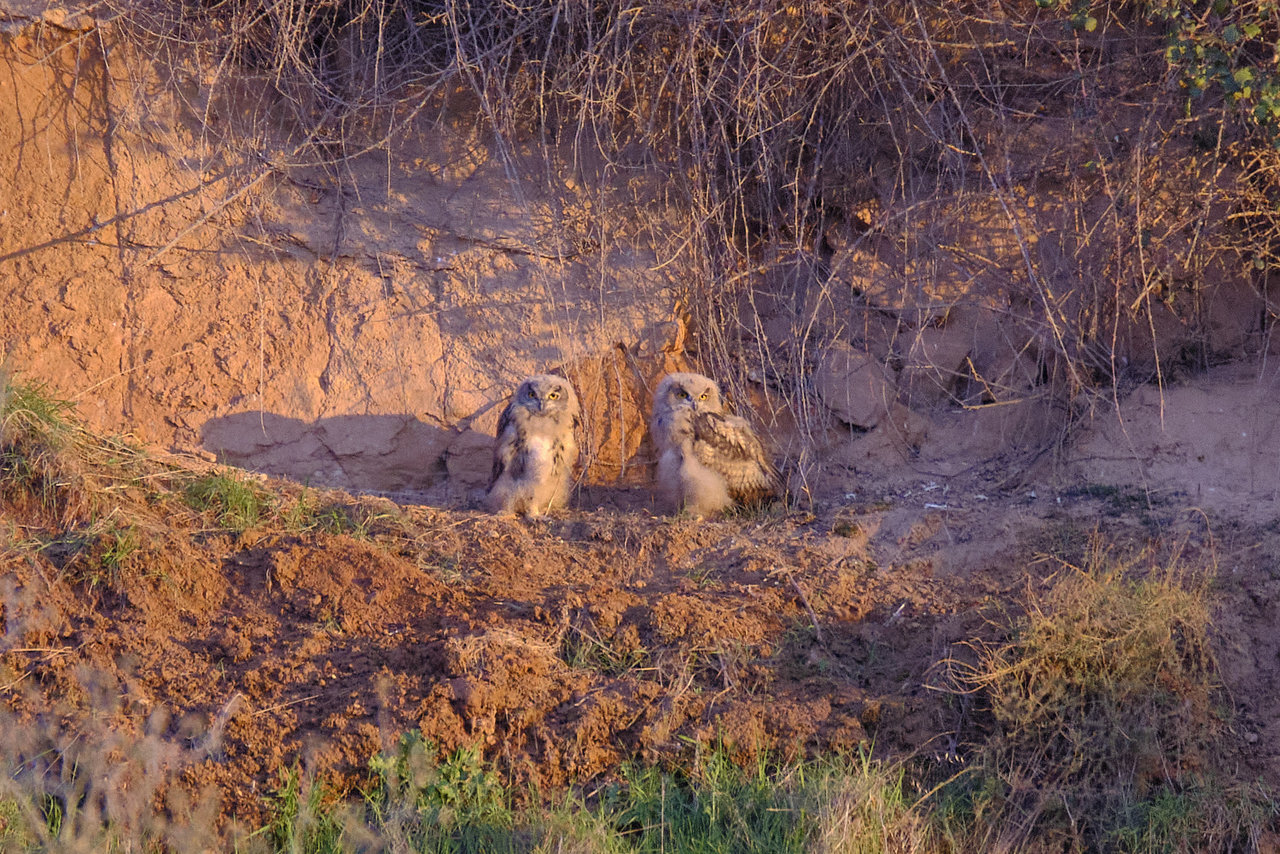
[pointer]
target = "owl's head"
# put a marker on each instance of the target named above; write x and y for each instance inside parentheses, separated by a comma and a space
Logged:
(545, 394)
(688, 391)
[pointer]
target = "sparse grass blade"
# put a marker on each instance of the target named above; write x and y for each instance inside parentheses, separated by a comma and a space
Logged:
(305, 513)
(305, 817)
(31, 412)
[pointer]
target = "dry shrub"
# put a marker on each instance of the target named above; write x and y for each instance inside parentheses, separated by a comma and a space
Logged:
(105, 787)
(1105, 702)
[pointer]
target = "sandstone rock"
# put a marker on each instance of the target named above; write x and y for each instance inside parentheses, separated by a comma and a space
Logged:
(469, 459)
(1232, 309)
(908, 428)
(1002, 376)
(988, 433)
(17, 16)
(900, 434)
(245, 433)
(1001, 366)
(382, 453)
(935, 364)
(853, 385)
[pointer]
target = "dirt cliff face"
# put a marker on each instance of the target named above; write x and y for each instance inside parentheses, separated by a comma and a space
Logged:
(355, 326)
(353, 311)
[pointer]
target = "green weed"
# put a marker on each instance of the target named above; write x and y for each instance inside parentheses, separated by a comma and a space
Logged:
(101, 553)
(459, 789)
(457, 804)
(307, 514)
(303, 817)
(120, 545)
(52, 471)
(233, 501)
(612, 656)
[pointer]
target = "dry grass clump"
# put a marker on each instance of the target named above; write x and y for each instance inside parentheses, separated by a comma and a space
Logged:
(102, 515)
(871, 809)
(1110, 724)
(57, 475)
(106, 789)
(92, 505)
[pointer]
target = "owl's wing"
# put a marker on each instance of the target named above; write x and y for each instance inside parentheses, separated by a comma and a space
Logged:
(504, 452)
(579, 455)
(727, 444)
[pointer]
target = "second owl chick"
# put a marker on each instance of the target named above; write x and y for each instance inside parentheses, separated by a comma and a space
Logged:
(708, 459)
(536, 450)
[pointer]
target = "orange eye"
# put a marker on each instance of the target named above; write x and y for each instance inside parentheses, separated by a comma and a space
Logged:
(553, 395)
(702, 396)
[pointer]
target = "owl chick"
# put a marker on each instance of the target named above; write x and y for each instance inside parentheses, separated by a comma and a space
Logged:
(708, 459)
(536, 452)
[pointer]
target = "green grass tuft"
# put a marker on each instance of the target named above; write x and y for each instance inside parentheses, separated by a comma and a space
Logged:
(307, 514)
(233, 501)
(424, 802)
(38, 469)
(30, 412)
(585, 649)
(304, 818)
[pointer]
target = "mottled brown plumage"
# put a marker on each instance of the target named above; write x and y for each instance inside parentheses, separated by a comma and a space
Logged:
(536, 450)
(708, 459)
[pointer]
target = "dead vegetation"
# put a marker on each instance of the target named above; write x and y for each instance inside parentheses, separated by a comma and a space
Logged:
(1108, 720)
